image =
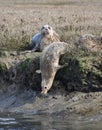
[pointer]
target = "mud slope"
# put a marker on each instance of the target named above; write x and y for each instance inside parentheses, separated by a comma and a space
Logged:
(76, 88)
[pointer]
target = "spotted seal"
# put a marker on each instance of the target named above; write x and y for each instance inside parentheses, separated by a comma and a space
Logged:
(49, 63)
(45, 37)
(90, 42)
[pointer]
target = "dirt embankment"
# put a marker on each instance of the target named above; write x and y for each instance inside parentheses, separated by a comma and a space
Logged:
(76, 88)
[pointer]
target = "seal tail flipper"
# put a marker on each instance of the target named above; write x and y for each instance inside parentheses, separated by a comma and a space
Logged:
(28, 51)
(38, 71)
(61, 66)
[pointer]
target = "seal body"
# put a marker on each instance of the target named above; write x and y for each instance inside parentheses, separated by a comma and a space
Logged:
(86, 36)
(49, 63)
(91, 42)
(36, 40)
(45, 37)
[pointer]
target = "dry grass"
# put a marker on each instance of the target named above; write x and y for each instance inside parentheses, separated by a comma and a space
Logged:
(21, 19)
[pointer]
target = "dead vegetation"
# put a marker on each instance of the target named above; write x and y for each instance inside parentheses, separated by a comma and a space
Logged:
(21, 19)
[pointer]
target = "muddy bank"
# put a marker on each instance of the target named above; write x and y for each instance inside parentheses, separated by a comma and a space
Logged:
(31, 102)
(76, 88)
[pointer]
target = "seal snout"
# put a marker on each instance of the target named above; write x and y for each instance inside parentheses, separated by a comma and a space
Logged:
(46, 30)
(44, 90)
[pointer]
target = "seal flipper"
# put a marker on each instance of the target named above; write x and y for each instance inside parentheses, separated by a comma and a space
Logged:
(61, 66)
(38, 71)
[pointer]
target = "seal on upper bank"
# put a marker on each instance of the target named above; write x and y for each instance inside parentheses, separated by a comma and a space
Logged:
(45, 37)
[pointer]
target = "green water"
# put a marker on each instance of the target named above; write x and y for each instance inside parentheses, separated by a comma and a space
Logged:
(31, 121)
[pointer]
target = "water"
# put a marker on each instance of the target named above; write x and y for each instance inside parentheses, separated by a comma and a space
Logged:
(14, 121)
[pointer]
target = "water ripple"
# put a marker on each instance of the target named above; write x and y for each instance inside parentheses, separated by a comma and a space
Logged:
(7, 121)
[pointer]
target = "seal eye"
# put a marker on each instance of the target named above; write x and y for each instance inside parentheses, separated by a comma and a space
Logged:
(45, 87)
(49, 27)
(42, 27)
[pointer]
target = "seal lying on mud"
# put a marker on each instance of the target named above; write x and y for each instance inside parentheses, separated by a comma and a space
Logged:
(91, 42)
(49, 63)
(44, 38)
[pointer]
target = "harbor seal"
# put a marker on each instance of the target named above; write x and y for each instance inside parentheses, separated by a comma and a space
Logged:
(45, 37)
(90, 42)
(49, 63)
(86, 36)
